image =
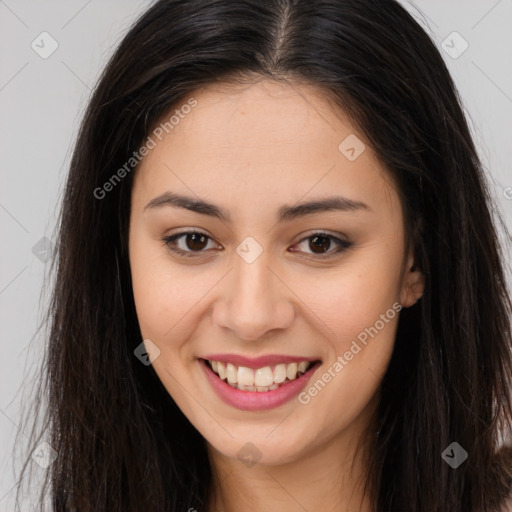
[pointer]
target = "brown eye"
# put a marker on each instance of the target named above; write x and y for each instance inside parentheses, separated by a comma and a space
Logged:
(195, 241)
(320, 244)
(187, 243)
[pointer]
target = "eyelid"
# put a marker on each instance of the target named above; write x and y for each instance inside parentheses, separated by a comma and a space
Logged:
(321, 232)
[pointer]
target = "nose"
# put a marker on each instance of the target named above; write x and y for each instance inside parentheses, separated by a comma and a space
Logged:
(254, 301)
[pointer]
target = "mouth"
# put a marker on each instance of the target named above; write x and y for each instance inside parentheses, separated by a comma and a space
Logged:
(256, 387)
(264, 379)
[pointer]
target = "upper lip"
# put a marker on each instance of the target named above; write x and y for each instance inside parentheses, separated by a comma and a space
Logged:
(258, 362)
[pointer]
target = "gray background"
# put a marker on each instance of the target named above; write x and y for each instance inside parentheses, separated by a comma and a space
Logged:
(42, 100)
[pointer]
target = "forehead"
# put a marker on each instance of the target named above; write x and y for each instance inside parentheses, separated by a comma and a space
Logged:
(258, 141)
(264, 115)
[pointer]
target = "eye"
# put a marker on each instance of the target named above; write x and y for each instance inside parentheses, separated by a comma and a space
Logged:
(193, 240)
(196, 241)
(321, 242)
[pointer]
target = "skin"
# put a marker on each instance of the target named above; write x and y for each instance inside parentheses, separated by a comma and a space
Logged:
(250, 150)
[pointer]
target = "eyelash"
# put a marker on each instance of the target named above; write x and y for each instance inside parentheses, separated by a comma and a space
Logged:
(169, 241)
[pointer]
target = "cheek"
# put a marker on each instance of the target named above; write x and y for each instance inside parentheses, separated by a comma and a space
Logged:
(344, 302)
(362, 318)
(169, 299)
(162, 302)
(160, 298)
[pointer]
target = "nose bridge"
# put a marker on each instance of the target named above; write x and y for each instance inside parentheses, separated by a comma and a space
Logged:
(255, 301)
(253, 283)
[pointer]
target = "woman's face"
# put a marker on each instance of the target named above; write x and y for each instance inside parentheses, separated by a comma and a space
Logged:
(277, 282)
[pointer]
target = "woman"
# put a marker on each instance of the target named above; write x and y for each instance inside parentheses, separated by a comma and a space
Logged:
(279, 284)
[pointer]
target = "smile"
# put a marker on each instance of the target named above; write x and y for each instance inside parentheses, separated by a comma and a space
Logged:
(257, 386)
(263, 379)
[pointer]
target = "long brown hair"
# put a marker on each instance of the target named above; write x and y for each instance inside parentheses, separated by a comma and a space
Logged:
(121, 442)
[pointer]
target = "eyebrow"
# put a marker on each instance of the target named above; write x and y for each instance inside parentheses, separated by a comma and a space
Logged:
(285, 213)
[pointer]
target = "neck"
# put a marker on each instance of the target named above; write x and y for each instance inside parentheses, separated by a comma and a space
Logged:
(330, 478)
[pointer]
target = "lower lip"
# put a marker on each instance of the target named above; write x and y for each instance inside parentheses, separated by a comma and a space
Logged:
(257, 400)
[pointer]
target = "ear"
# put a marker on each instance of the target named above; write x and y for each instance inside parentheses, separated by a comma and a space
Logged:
(413, 283)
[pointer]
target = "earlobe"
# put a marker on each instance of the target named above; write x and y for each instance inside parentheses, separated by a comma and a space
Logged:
(413, 282)
(413, 288)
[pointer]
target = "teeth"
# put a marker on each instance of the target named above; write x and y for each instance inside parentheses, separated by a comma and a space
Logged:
(291, 371)
(245, 376)
(255, 388)
(221, 370)
(279, 373)
(263, 377)
(302, 367)
(260, 380)
(231, 373)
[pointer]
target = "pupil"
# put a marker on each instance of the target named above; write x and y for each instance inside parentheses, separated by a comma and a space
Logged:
(316, 245)
(196, 238)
